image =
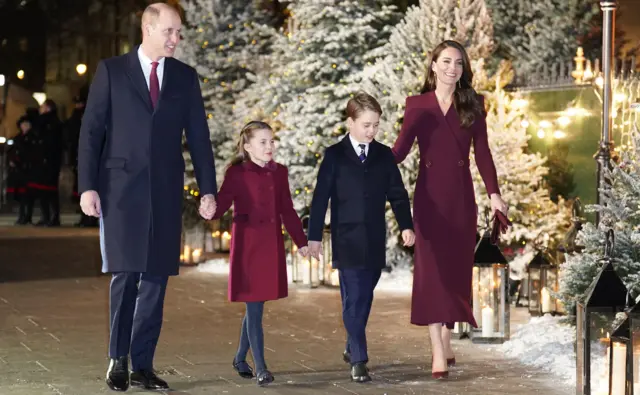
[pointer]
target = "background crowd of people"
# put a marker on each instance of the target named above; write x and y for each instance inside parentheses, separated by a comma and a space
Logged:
(35, 160)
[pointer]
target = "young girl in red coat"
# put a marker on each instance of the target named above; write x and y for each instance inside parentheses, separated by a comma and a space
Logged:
(259, 189)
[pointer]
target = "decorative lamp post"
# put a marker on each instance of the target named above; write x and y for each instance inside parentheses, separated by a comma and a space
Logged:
(490, 293)
(543, 281)
(595, 314)
(603, 156)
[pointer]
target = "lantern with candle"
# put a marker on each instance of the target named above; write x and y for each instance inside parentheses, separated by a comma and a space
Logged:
(623, 354)
(330, 275)
(595, 314)
(490, 293)
(305, 270)
(543, 282)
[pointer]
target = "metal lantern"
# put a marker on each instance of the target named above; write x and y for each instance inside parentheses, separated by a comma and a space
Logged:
(490, 293)
(605, 298)
(330, 275)
(461, 330)
(305, 270)
(193, 244)
(623, 356)
(543, 282)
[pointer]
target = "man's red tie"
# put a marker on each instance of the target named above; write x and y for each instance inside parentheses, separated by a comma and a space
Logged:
(154, 85)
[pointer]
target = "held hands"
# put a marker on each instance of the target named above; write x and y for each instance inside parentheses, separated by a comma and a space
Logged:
(498, 204)
(408, 237)
(315, 249)
(90, 204)
(304, 251)
(207, 206)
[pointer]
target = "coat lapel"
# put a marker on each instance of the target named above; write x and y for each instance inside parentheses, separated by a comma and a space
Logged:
(134, 71)
(167, 80)
(446, 120)
(349, 151)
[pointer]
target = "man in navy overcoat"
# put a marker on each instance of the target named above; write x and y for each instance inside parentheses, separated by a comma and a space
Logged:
(131, 177)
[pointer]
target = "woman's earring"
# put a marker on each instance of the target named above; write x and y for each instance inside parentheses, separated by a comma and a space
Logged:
(459, 84)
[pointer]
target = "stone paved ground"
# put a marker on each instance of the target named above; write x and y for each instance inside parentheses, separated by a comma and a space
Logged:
(53, 336)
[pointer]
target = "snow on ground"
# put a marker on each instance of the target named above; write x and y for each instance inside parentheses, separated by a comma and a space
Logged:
(546, 343)
(214, 266)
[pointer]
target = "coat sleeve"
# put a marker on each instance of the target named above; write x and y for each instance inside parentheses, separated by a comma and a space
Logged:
(227, 193)
(398, 197)
(321, 196)
(289, 215)
(484, 159)
(93, 130)
(197, 132)
(407, 135)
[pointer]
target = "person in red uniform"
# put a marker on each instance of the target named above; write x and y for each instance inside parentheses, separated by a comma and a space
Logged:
(258, 187)
(446, 119)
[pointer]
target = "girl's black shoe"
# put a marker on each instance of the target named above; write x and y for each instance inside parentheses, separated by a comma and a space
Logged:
(265, 377)
(243, 369)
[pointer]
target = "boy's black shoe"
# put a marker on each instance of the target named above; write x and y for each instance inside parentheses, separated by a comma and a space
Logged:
(346, 357)
(360, 373)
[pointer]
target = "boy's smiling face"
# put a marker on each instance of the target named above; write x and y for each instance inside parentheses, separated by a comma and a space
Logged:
(365, 127)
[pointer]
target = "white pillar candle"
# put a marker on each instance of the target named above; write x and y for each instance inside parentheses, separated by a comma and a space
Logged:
(618, 369)
(487, 322)
(545, 299)
(306, 270)
(226, 241)
(335, 277)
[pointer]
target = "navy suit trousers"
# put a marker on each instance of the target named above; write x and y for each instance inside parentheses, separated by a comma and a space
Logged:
(136, 305)
(356, 290)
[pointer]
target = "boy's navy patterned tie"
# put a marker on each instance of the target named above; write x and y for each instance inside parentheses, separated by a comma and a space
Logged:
(362, 155)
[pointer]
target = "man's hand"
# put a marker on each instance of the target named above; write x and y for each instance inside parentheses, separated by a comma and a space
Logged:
(408, 237)
(315, 249)
(90, 204)
(207, 206)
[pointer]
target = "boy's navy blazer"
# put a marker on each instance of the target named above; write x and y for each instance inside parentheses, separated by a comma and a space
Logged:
(358, 192)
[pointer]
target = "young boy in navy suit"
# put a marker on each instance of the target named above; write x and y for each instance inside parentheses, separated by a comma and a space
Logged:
(359, 175)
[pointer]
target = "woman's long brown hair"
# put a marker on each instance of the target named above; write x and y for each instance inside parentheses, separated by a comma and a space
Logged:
(465, 99)
(245, 135)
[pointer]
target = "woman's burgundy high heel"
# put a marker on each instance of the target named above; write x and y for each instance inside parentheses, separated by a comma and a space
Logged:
(440, 375)
(451, 361)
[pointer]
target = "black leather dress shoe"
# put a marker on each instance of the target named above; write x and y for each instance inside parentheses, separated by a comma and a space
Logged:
(360, 373)
(118, 374)
(148, 380)
(243, 369)
(264, 377)
(346, 357)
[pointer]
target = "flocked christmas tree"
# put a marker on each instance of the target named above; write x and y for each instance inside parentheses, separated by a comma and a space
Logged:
(225, 41)
(619, 211)
(397, 69)
(534, 34)
(305, 92)
(399, 72)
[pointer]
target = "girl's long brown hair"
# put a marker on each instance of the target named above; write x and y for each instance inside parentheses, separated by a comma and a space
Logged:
(245, 135)
(465, 99)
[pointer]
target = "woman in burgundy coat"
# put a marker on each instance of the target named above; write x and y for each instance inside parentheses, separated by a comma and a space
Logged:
(259, 189)
(446, 119)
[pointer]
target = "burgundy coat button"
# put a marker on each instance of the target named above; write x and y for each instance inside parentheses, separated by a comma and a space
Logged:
(428, 164)
(460, 163)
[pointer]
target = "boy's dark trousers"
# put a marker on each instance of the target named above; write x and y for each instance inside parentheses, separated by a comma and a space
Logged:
(356, 290)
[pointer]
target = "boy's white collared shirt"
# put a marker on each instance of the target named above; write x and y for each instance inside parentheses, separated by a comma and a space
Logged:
(357, 144)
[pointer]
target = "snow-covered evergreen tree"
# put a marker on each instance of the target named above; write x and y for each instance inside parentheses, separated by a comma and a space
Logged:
(398, 68)
(536, 33)
(620, 211)
(520, 173)
(304, 93)
(226, 42)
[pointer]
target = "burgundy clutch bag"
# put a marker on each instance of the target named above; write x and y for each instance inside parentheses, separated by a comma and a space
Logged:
(500, 225)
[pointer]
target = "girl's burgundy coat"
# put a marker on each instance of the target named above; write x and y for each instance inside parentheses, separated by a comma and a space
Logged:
(262, 203)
